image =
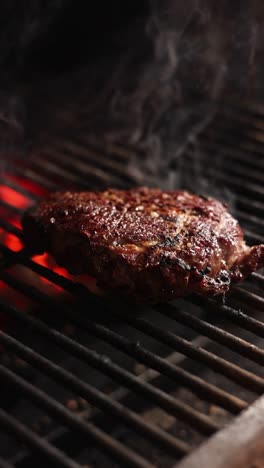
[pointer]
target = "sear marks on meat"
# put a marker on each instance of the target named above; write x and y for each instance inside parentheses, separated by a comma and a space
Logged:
(144, 243)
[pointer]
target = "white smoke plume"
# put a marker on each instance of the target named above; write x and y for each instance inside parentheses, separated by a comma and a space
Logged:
(155, 95)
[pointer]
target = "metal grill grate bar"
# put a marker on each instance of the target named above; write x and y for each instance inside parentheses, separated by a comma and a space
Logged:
(31, 175)
(118, 394)
(234, 343)
(253, 298)
(83, 389)
(241, 131)
(257, 278)
(248, 148)
(233, 182)
(75, 170)
(19, 189)
(247, 219)
(256, 220)
(208, 145)
(234, 178)
(86, 391)
(245, 296)
(240, 318)
(67, 153)
(10, 228)
(114, 448)
(196, 384)
(253, 190)
(248, 206)
(218, 364)
(101, 363)
(68, 284)
(252, 236)
(57, 172)
(13, 209)
(91, 169)
(12, 425)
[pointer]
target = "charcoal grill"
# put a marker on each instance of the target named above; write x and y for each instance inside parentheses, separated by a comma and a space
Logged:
(91, 382)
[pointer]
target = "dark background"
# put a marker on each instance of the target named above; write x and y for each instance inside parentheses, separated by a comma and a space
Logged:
(144, 72)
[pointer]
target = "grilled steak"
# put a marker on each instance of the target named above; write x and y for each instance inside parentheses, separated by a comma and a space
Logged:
(144, 243)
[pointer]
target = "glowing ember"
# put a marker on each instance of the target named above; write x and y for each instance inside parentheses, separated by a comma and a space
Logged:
(46, 261)
(24, 274)
(10, 241)
(13, 198)
(27, 184)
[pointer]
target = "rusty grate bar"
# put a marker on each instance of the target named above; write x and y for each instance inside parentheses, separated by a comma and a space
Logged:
(203, 389)
(123, 377)
(235, 373)
(54, 168)
(236, 316)
(233, 342)
(88, 392)
(114, 448)
(15, 427)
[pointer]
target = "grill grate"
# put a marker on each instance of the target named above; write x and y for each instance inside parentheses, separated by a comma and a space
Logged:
(156, 382)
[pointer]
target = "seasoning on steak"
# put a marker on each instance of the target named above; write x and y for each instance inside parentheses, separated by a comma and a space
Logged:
(144, 243)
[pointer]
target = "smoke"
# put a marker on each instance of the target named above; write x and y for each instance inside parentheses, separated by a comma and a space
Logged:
(173, 91)
(154, 92)
(21, 23)
(196, 53)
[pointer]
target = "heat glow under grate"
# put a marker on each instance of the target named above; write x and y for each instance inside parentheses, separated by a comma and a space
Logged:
(103, 383)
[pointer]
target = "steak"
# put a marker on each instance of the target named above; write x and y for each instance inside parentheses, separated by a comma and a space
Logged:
(144, 243)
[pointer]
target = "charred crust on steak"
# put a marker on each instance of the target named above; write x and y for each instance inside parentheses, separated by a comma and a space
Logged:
(169, 241)
(168, 262)
(205, 271)
(225, 277)
(173, 219)
(144, 243)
